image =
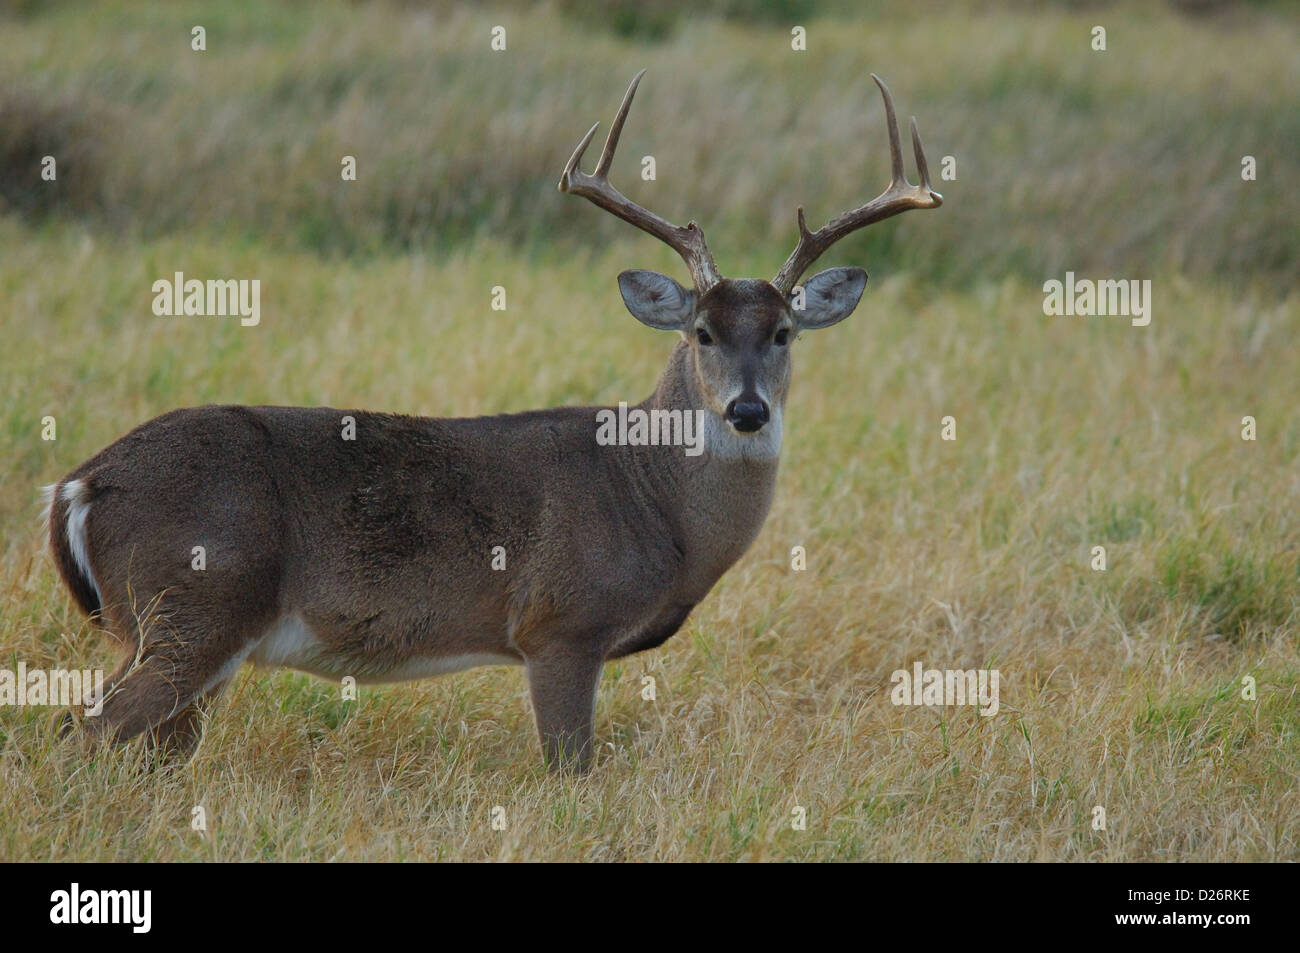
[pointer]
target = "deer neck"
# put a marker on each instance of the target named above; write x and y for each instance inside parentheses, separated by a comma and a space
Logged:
(715, 501)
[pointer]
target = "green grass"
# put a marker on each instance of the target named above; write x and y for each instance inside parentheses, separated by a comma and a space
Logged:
(1120, 689)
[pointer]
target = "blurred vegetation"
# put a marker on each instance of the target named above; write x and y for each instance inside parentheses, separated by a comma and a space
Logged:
(1120, 162)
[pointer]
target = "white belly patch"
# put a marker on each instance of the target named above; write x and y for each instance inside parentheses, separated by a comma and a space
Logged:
(291, 643)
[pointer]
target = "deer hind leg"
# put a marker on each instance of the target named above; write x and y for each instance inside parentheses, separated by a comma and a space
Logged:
(161, 691)
(175, 739)
(562, 681)
(178, 737)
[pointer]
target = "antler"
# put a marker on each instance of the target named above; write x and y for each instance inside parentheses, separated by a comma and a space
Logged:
(687, 242)
(899, 197)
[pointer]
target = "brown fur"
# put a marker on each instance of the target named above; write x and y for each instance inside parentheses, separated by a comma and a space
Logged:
(383, 545)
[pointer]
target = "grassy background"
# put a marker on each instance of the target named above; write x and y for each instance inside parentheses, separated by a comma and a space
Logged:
(1120, 689)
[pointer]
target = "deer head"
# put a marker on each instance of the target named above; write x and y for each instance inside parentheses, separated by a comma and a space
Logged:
(739, 330)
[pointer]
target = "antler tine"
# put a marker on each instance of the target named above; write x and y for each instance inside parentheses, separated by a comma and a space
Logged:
(616, 130)
(574, 159)
(922, 169)
(687, 241)
(899, 197)
(896, 174)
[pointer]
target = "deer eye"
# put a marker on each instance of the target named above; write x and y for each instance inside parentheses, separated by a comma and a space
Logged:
(782, 337)
(702, 336)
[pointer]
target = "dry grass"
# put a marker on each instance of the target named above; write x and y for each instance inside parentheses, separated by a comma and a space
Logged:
(1120, 689)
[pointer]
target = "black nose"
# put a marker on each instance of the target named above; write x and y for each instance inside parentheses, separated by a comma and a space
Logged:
(747, 415)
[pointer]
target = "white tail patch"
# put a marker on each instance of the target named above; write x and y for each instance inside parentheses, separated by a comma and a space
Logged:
(47, 504)
(74, 492)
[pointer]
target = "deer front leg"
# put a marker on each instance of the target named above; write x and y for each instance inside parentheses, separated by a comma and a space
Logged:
(562, 681)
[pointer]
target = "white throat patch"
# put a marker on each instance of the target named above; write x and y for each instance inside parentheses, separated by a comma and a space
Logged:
(722, 441)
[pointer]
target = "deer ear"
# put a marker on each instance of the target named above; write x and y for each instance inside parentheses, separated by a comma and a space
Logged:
(829, 297)
(656, 299)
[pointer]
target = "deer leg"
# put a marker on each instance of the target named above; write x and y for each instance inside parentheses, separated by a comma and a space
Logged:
(162, 690)
(562, 682)
(66, 722)
(157, 690)
(172, 741)
(178, 737)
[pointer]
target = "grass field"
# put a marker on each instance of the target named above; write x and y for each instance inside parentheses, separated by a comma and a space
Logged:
(1121, 689)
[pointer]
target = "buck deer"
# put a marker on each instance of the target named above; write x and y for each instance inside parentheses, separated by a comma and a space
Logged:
(373, 557)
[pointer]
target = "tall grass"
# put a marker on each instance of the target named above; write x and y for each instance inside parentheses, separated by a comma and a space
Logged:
(1121, 689)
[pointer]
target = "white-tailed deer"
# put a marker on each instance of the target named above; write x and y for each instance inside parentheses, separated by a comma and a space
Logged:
(428, 545)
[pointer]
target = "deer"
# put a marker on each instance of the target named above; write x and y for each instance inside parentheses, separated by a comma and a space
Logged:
(423, 545)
